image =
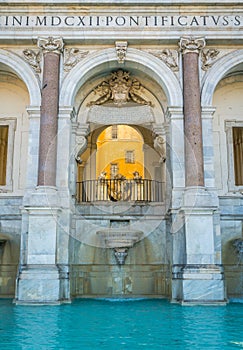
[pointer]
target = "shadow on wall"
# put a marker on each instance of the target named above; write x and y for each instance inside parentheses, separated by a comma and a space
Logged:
(9, 256)
(233, 266)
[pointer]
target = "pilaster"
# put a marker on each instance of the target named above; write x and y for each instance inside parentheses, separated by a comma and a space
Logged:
(175, 155)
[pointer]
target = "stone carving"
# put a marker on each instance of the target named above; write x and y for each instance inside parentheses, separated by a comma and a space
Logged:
(33, 58)
(136, 176)
(72, 57)
(191, 44)
(102, 177)
(208, 58)
(51, 44)
(81, 144)
(120, 254)
(169, 57)
(120, 240)
(121, 50)
(119, 89)
(159, 146)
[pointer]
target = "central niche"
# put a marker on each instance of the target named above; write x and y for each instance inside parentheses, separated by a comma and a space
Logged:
(120, 153)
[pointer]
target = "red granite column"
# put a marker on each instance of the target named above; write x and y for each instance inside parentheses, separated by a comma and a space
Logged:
(194, 170)
(52, 47)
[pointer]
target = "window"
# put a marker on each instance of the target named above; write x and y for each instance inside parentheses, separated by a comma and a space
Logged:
(3, 153)
(234, 137)
(7, 131)
(114, 132)
(130, 157)
(238, 155)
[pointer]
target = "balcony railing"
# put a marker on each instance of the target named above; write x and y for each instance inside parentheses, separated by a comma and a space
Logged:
(119, 190)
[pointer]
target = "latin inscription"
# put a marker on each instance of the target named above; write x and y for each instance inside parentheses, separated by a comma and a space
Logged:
(122, 21)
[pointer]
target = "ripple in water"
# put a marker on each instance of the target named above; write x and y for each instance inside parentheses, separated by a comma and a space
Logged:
(120, 324)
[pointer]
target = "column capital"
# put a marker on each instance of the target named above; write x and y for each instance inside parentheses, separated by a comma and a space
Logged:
(191, 44)
(51, 44)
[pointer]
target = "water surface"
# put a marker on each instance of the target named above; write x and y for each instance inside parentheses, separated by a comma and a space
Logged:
(128, 324)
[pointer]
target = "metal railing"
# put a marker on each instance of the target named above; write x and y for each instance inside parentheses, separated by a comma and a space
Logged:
(119, 190)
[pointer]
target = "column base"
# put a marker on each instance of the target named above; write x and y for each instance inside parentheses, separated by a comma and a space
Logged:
(39, 284)
(198, 284)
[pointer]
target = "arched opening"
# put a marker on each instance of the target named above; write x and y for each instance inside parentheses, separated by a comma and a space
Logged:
(119, 165)
(228, 151)
(120, 152)
(120, 155)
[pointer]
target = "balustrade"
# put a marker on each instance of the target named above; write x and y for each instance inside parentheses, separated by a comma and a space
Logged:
(119, 190)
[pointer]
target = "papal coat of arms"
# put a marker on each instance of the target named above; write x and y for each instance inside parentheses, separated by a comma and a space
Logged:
(119, 88)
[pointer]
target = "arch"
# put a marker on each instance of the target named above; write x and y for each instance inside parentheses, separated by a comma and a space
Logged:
(25, 73)
(107, 59)
(218, 72)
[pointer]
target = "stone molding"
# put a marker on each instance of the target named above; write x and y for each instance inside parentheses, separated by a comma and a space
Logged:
(104, 115)
(121, 50)
(229, 124)
(217, 72)
(144, 61)
(191, 44)
(11, 122)
(25, 72)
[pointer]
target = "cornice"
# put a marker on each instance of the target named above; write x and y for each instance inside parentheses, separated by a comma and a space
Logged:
(119, 3)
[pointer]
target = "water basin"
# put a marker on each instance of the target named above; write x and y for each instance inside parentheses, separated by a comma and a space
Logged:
(120, 324)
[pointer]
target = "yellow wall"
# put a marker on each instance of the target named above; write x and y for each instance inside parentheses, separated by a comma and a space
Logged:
(113, 151)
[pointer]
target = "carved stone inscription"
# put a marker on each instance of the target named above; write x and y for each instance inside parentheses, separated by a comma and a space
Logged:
(163, 20)
(105, 115)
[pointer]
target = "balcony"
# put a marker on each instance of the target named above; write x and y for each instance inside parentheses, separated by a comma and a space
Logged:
(115, 190)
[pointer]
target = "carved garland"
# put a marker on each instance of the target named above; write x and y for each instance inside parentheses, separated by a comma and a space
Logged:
(169, 57)
(72, 56)
(33, 58)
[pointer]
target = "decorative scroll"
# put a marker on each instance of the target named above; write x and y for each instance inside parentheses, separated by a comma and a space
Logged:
(121, 50)
(33, 58)
(81, 144)
(169, 57)
(159, 146)
(191, 44)
(208, 58)
(51, 44)
(72, 57)
(119, 89)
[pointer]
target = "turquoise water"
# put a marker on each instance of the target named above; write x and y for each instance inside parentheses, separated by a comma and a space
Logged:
(103, 324)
